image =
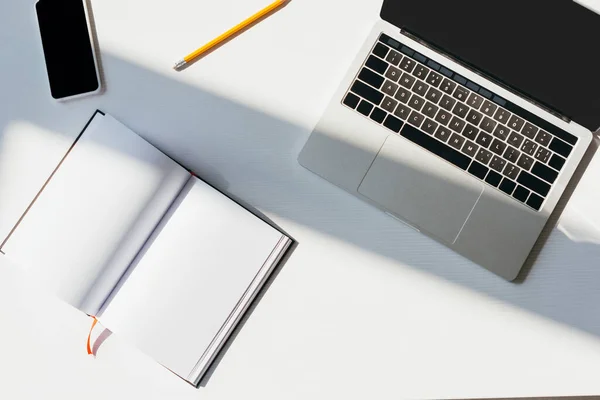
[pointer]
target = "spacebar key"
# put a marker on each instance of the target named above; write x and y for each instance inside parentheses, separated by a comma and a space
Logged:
(435, 146)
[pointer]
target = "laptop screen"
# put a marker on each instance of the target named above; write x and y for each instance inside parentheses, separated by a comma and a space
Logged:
(547, 49)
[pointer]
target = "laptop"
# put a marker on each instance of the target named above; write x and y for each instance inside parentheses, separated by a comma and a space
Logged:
(465, 120)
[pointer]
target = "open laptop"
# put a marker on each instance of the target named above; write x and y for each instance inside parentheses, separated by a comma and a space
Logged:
(466, 119)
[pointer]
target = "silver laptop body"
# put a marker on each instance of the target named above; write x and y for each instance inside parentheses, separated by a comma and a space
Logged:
(423, 167)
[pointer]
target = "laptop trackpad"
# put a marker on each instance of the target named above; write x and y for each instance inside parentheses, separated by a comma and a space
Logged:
(422, 189)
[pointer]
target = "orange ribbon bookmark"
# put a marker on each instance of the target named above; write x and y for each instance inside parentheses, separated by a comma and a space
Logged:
(89, 339)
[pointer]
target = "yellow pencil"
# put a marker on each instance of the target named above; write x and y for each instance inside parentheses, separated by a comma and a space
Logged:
(215, 42)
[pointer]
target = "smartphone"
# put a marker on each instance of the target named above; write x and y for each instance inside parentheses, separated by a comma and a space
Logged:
(68, 48)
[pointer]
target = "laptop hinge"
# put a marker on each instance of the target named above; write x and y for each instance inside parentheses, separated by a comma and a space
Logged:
(473, 69)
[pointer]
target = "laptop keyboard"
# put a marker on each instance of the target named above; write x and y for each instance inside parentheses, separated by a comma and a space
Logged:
(494, 140)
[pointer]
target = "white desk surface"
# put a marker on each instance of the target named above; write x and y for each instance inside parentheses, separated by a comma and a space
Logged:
(365, 308)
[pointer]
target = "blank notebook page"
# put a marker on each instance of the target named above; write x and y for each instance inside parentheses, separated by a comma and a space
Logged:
(96, 213)
(189, 277)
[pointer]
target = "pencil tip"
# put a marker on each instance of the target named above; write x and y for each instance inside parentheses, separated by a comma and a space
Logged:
(180, 64)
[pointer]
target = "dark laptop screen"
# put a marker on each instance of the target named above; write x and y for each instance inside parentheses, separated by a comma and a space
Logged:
(548, 49)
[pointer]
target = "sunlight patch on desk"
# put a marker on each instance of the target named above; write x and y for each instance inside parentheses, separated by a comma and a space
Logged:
(578, 221)
(25, 150)
(579, 227)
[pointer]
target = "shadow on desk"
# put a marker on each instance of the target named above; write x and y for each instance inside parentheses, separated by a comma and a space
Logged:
(252, 156)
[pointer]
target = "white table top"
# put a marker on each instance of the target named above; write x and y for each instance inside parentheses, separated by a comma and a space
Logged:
(365, 307)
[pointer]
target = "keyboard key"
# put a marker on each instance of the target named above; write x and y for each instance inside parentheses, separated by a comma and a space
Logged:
(407, 80)
(474, 117)
(429, 126)
(436, 147)
(473, 86)
(488, 125)
(557, 162)
(529, 130)
(470, 132)
(446, 72)
(470, 148)
(389, 104)
(560, 147)
(488, 108)
(516, 123)
(408, 64)
(546, 173)
(502, 116)
(420, 57)
(367, 92)
(457, 141)
(351, 100)
(542, 154)
(434, 79)
(420, 88)
(416, 119)
(484, 139)
(421, 71)
(515, 139)
(370, 77)
(461, 93)
(430, 110)
(443, 133)
(433, 95)
(416, 102)
(493, 178)
(478, 170)
(511, 171)
(498, 163)
(461, 110)
(448, 86)
(408, 51)
(499, 100)
(393, 74)
(501, 132)
(365, 108)
(457, 124)
(447, 102)
(521, 194)
(460, 79)
(525, 162)
(529, 147)
(394, 57)
(389, 88)
(389, 41)
(475, 101)
(402, 112)
(378, 115)
(507, 186)
(512, 154)
(393, 123)
(376, 64)
(380, 50)
(498, 147)
(533, 183)
(567, 137)
(485, 93)
(402, 95)
(542, 137)
(443, 117)
(535, 201)
(483, 156)
(434, 65)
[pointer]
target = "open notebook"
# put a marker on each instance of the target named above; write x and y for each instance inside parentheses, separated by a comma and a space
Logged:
(122, 232)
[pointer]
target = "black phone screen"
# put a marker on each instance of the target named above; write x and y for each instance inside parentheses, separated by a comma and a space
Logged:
(67, 47)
